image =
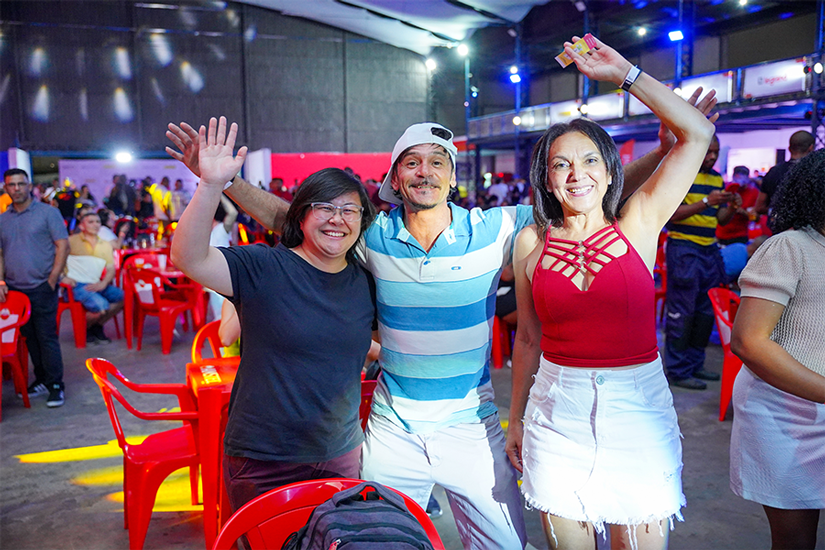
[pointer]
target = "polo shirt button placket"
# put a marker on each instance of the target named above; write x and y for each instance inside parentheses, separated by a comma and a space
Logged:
(426, 271)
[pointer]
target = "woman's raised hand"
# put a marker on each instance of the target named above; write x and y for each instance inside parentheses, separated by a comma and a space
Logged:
(216, 162)
(600, 63)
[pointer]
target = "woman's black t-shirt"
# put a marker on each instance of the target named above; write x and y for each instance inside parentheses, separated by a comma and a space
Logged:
(306, 334)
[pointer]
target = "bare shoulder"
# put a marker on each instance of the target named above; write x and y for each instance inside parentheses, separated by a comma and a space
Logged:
(527, 241)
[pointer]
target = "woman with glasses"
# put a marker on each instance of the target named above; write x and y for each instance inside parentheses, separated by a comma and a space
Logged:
(599, 445)
(307, 314)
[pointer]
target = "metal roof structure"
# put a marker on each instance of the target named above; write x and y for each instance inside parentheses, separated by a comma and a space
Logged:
(416, 25)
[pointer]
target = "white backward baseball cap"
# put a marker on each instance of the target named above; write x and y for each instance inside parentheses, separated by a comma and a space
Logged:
(417, 134)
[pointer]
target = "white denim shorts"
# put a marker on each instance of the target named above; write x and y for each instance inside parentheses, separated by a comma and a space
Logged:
(603, 445)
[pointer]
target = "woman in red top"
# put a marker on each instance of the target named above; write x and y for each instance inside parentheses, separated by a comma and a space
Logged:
(599, 444)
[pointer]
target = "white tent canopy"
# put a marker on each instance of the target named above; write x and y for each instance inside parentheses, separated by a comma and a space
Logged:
(416, 25)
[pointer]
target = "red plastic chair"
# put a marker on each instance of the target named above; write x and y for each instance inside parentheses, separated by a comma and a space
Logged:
(208, 334)
(77, 313)
(142, 260)
(147, 287)
(147, 464)
(14, 313)
(725, 303)
(367, 389)
(270, 518)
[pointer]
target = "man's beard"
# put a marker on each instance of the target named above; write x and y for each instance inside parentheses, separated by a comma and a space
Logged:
(420, 206)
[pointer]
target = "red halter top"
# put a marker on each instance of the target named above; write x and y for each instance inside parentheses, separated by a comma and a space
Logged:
(613, 322)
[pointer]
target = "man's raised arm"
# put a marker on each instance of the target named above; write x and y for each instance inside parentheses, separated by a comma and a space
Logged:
(267, 209)
(638, 171)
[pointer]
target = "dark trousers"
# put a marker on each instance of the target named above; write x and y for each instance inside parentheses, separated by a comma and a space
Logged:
(247, 478)
(691, 272)
(41, 335)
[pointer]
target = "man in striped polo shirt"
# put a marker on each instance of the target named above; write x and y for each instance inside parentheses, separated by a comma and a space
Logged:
(694, 266)
(436, 268)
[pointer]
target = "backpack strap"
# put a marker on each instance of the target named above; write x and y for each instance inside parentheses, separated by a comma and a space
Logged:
(353, 494)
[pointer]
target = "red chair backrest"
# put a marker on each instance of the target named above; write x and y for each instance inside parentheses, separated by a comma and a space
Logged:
(270, 518)
(725, 303)
(147, 260)
(208, 334)
(14, 313)
(101, 369)
(147, 285)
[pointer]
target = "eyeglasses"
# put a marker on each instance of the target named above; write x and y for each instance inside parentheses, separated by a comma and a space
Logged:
(16, 184)
(325, 211)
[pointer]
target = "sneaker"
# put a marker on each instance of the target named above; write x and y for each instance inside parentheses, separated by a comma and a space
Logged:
(433, 508)
(706, 375)
(56, 397)
(689, 384)
(97, 330)
(91, 338)
(35, 389)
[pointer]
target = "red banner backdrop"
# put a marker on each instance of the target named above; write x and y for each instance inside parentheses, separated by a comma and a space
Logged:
(295, 167)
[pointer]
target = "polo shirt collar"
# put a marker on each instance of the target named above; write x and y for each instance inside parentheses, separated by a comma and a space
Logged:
(14, 211)
(459, 225)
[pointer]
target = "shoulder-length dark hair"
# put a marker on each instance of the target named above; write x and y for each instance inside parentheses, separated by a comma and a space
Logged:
(547, 210)
(800, 198)
(324, 186)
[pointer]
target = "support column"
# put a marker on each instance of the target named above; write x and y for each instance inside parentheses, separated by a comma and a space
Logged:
(818, 110)
(684, 47)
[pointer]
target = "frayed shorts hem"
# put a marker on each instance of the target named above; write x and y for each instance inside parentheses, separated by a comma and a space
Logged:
(599, 523)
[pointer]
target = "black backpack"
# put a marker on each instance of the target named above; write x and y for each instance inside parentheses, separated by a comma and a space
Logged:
(351, 521)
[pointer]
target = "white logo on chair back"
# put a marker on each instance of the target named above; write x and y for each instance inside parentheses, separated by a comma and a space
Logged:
(144, 292)
(6, 319)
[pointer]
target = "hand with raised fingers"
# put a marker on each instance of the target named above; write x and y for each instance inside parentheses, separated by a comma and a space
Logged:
(600, 63)
(217, 163)
(666, 138)
(185, 138)
(706, 104)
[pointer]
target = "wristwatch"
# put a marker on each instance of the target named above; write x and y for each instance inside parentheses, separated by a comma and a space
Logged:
(705, 200)
(631, 77)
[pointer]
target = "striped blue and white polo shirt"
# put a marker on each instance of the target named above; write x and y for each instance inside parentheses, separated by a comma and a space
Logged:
(435, 314)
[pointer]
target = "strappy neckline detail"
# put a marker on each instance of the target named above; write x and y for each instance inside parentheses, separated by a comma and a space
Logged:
(582, 257)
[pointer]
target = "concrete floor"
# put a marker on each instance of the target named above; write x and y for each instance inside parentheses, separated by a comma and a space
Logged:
(70, 499)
